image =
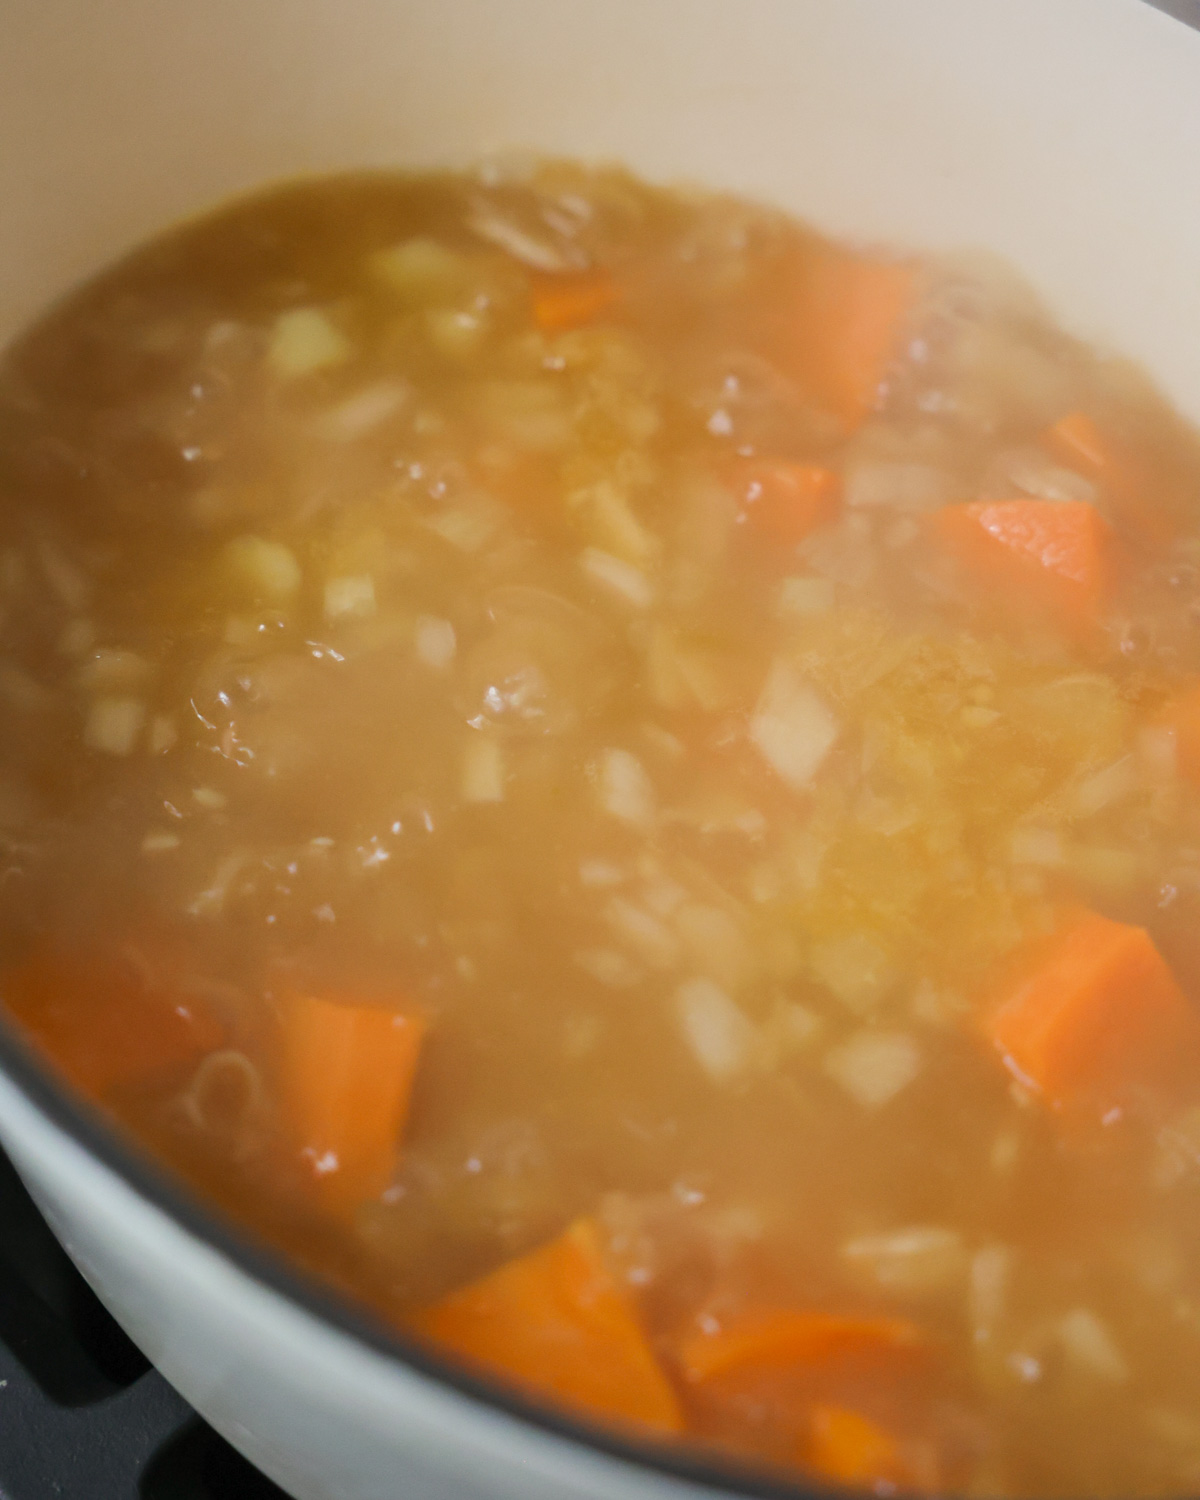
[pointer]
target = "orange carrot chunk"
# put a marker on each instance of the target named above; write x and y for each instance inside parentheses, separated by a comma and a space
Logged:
(1182, 716)
(850, 1448)
(1144, 499)
(107, 1020)
(557, 1320)
(777, 1339)
(786, 501)
(563, 302)
(346, 1076)
(1096, 1021)
(847, 323)
(1051, 555)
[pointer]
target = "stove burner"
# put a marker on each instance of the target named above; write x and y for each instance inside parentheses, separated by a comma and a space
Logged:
(83, 1416)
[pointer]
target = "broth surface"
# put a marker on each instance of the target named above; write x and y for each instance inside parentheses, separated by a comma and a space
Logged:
(693, 729)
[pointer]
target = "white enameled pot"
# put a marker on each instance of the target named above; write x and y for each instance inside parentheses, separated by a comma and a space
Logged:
(1064, 134)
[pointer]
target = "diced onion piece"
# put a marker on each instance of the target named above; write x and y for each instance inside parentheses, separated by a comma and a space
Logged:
(906, 486)
(874, 1066)
(717, 1031)
(436, 642)
(304, 341)
(1090, 1348)
(618, 576)
(114, 724)
(265, 569)
(1037, 846)
(791, 726)
(651, 939)
(856, 969)
(350, 597)
(160, 841)
(468, 527)
(361, 413)
(1103, 788)
(522, 246)
(612, 523)
(806, 596)
(624, 788)
(483, 770)
(917, 1259)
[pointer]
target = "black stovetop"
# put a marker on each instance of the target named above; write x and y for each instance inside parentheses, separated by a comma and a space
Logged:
(83, 1416)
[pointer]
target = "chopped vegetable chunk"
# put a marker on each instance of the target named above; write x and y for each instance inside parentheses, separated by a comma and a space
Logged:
(557, 1320)
(848, 1447)
(849, 317)
(346, 1074)
(109, 1019)
(1051, 554)
(784, 1339)
(1098, 1021)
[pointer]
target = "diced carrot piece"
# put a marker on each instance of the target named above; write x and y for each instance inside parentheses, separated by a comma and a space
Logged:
(1095, 1019)
(1145, 500)
(106, 1019)
(848, 319)
(1052, 555)
(345, 1079)
(562, 302)
(786, 500)
(784, 1338)
(1182, 715)
(850, 1448)
(557, 1320)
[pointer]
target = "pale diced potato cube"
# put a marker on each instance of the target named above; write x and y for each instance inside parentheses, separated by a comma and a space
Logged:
(114, 724)
(623, 786)
(792, 727)
(720, 1035)
(419, 270)
(304, 341)
(436, 642)
(483, 770)
(874, 1066)
(265, 569)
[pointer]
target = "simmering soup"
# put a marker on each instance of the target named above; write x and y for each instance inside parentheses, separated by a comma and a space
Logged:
(623, 782)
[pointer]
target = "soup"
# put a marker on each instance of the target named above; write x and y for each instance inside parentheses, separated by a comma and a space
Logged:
(621, 781)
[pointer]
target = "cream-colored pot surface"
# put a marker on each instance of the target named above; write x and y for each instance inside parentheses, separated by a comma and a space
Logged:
(1064, 134)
